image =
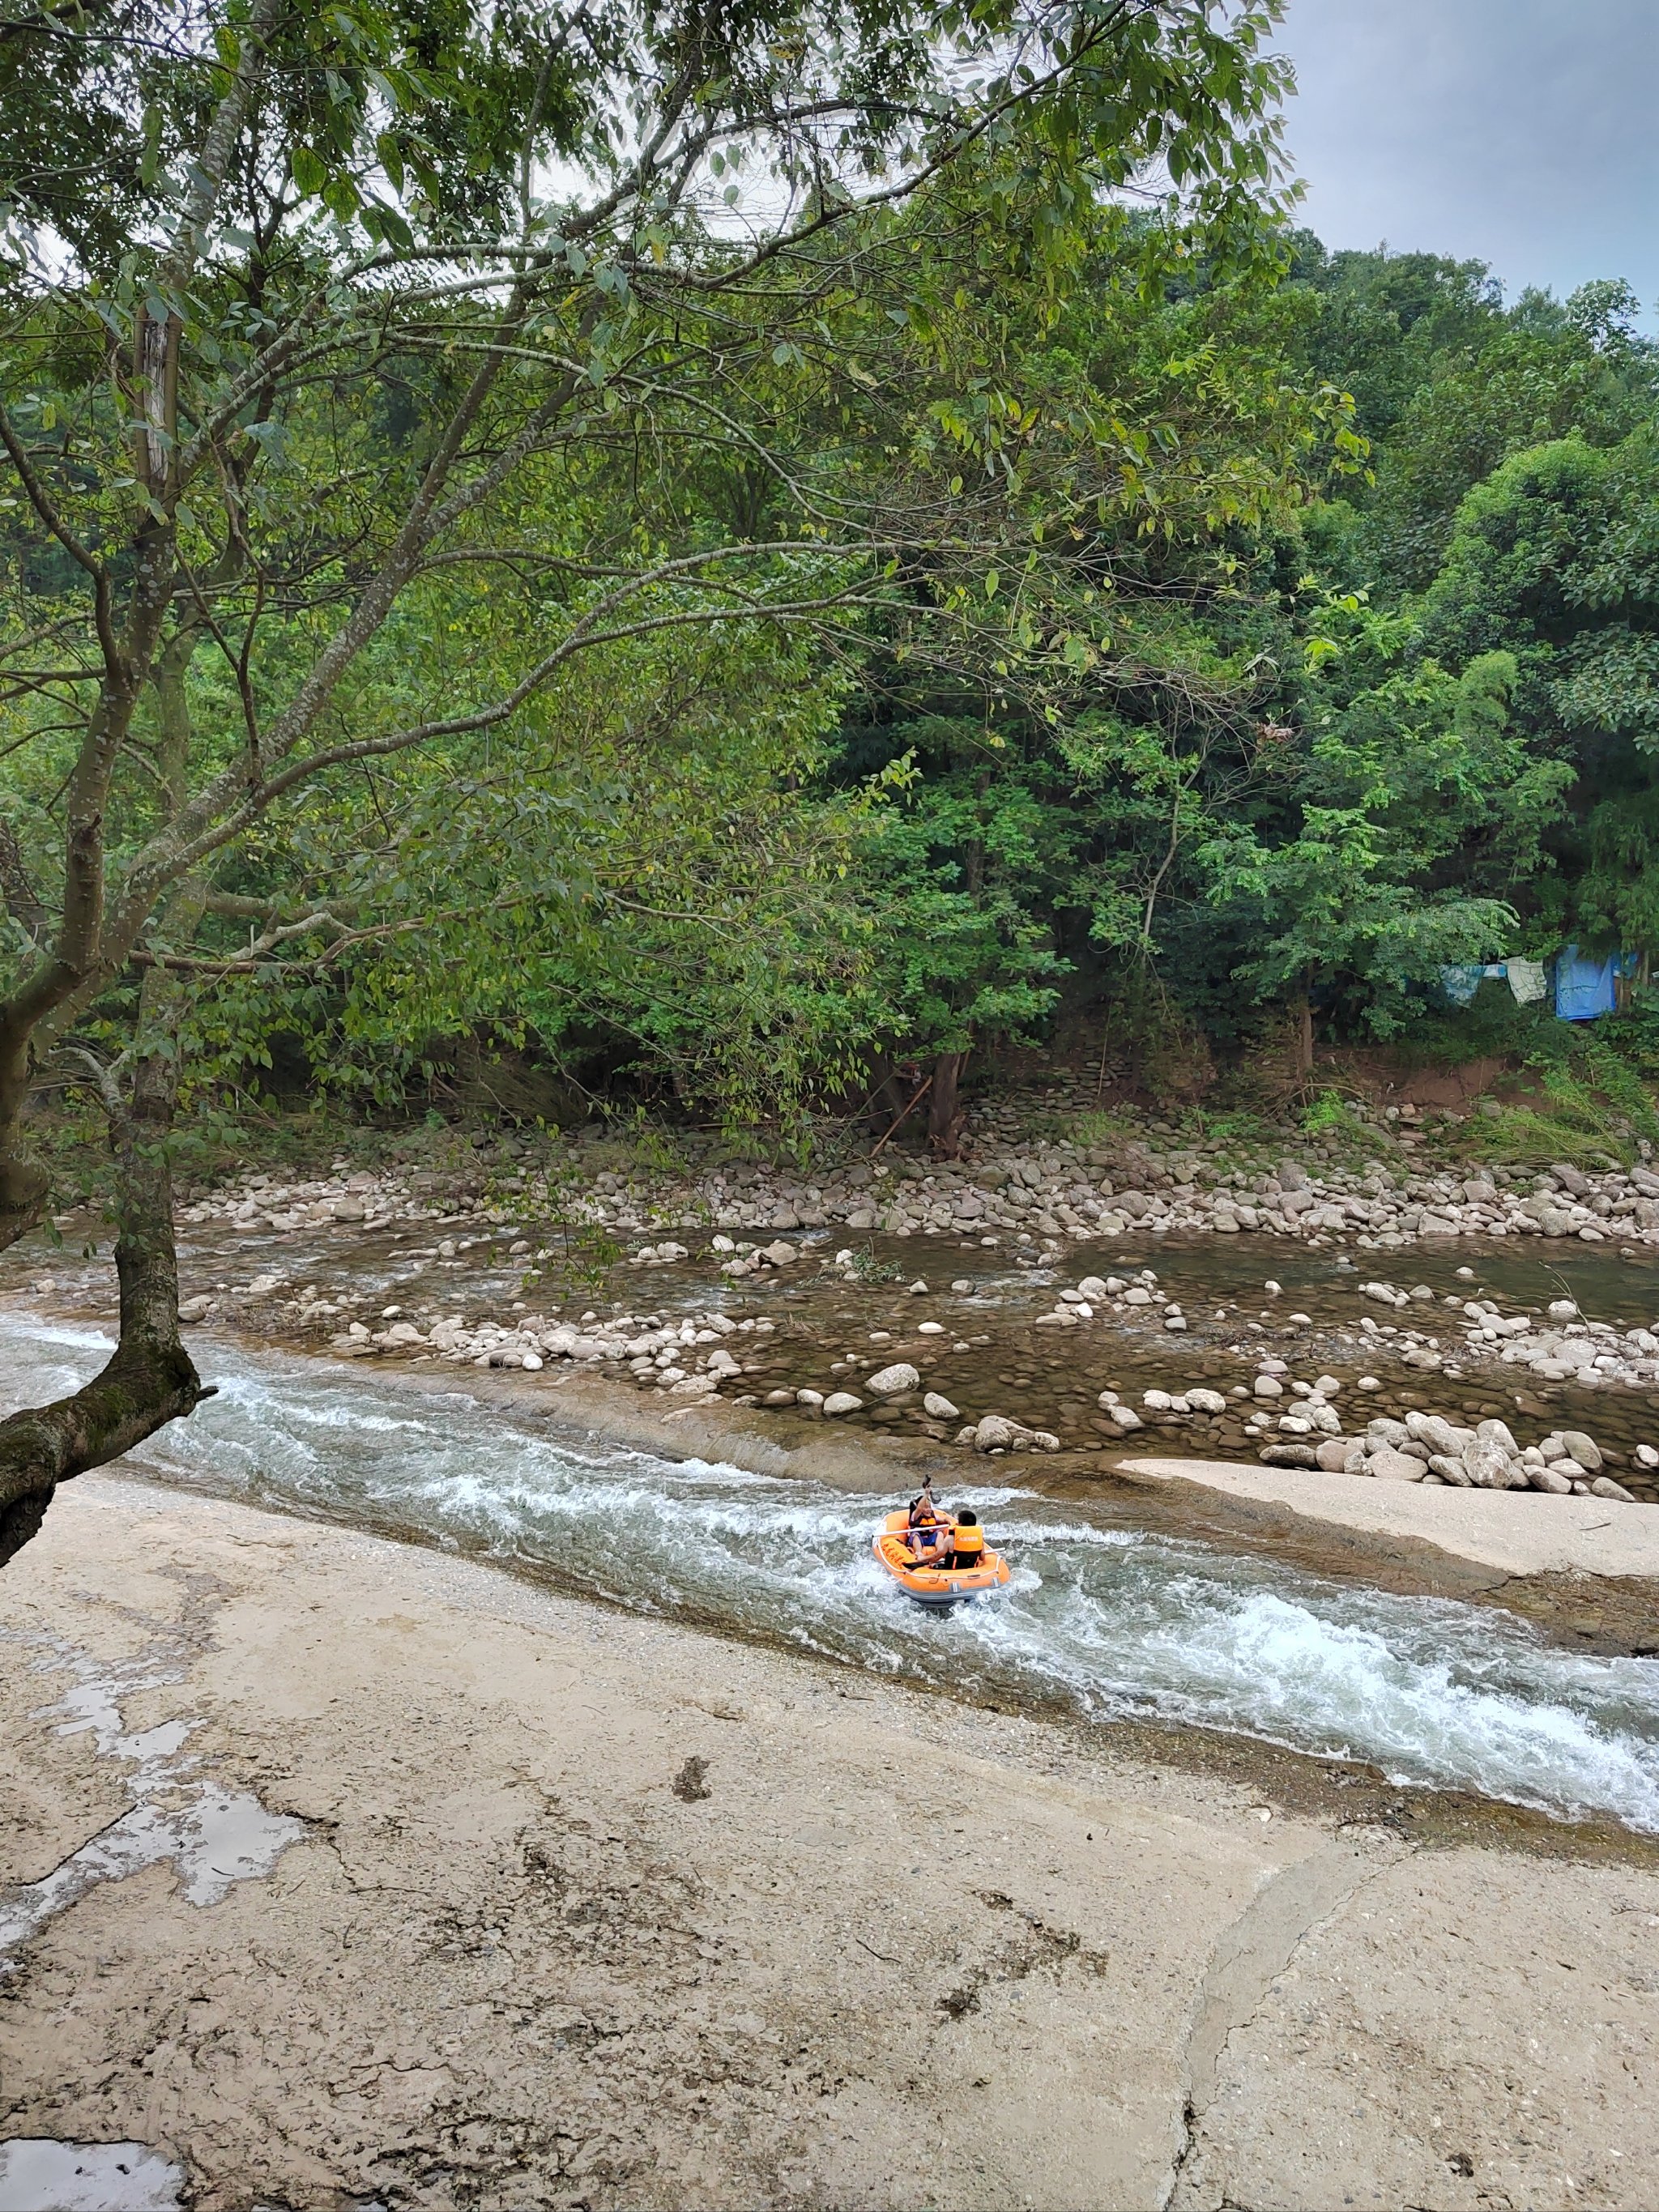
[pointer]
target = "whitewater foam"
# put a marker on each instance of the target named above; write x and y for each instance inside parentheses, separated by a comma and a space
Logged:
(1111, 1623)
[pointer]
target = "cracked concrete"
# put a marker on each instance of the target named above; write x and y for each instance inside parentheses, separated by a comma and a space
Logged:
(1450, 2036)
(1257, 1948)
(1250, 1958)
(905, 1954)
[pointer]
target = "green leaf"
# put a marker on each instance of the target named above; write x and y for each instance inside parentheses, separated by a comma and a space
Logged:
(309, 171)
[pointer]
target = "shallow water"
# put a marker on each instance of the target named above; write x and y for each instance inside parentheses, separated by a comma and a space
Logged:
(1050, 1381)
(40, 2174)
(1104, 1622)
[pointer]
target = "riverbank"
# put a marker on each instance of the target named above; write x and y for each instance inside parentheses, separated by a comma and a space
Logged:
(1031, 1176)
(581, 1909)
(1491, 1528)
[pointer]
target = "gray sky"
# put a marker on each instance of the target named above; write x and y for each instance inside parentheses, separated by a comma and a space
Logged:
(1519, 132)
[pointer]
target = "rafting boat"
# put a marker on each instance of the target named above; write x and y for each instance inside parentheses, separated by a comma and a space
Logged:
(936, 1585)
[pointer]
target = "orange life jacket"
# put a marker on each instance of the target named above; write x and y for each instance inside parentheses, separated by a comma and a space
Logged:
(969, 1540)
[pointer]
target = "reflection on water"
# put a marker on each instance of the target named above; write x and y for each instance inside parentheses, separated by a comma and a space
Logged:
(1105, 1622)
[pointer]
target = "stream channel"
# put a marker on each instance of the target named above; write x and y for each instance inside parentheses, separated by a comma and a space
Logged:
(1105, 1622)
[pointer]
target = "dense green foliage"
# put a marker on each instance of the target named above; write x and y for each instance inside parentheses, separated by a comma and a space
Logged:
(1416, 723)
(861, 629)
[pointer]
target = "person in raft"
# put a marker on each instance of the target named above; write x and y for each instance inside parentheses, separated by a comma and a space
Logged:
(970, 1548)
(929, 1529)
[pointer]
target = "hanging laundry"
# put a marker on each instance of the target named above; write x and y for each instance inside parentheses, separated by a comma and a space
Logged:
(1528, 980)
(1586, 987)
(1461, 980)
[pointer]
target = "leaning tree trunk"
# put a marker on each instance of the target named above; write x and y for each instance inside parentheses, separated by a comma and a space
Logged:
(149, 1379)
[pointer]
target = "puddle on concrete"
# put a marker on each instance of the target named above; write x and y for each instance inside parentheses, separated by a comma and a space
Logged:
(40, 2174)
(214, 1836)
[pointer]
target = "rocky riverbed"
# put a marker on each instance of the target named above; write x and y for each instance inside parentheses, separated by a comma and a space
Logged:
(1377, 1187)
(1528, 1353)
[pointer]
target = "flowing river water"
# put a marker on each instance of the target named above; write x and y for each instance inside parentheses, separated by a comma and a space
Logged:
(1108, 1623)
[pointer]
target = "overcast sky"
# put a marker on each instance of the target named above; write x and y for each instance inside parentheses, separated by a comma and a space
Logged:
(1518, 132)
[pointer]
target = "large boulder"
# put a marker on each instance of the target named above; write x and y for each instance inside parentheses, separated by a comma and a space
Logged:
(1388, 1465)
(1439, 1434)
(1489, 1467)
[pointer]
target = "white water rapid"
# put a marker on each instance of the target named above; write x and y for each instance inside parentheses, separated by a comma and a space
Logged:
(1107, 1623)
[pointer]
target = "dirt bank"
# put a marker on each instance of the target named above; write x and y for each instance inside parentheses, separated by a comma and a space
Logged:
(900, 1953)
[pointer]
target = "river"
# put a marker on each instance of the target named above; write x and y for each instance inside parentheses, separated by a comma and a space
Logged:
(1104, 1622)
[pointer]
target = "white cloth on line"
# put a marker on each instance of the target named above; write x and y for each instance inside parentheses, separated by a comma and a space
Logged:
(1528, 980)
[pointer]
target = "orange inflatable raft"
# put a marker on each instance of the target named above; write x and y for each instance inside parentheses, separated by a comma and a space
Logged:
(936, 1585)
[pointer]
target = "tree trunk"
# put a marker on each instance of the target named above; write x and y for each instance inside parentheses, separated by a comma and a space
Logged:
(1304, 1037)
(944, 1113)
(149, 1379)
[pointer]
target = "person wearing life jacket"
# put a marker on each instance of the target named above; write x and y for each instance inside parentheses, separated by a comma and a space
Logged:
(929, 1529)
(968, 1544)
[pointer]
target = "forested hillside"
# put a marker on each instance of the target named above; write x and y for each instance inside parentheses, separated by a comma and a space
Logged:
(1009, 602)
(1401, 720)
(1294, 638)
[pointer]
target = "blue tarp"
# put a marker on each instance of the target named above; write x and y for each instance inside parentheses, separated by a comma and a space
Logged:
(1585, 986)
